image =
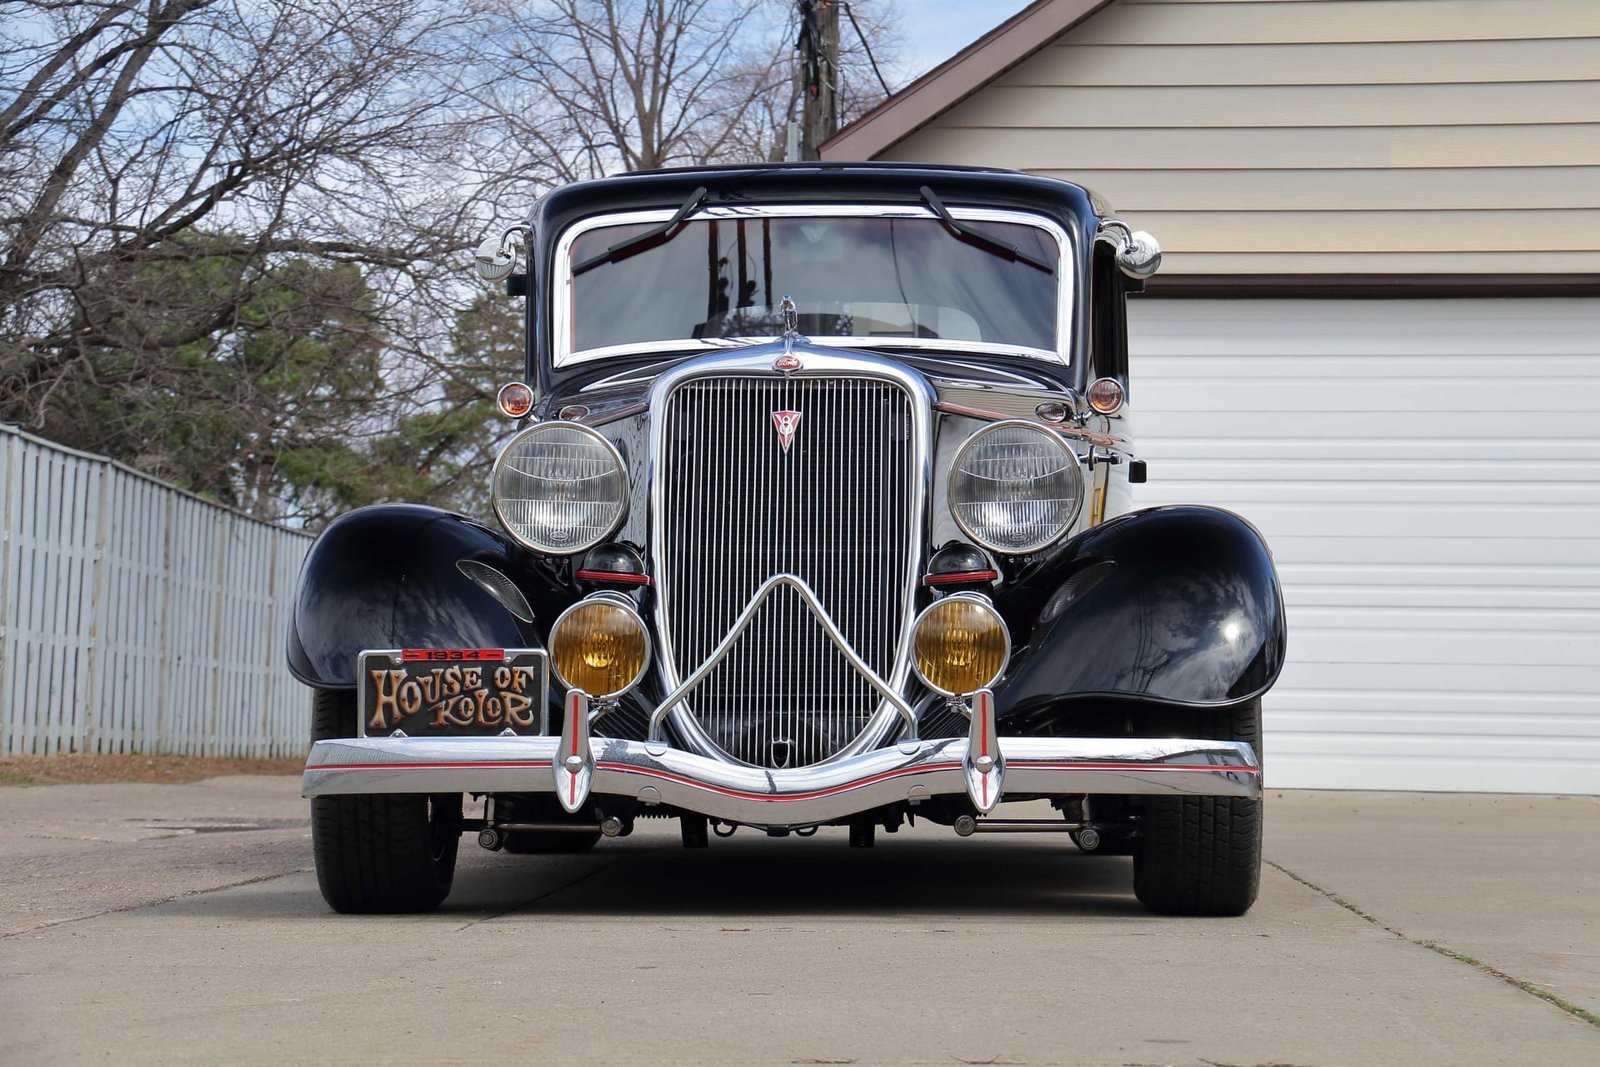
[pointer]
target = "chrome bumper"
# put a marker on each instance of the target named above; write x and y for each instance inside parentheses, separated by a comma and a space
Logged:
(653, 773)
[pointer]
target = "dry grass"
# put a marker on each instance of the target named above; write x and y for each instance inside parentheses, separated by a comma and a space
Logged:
(82, 769)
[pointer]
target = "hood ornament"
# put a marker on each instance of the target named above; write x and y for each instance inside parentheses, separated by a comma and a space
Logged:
(791, 326)
(786, 423)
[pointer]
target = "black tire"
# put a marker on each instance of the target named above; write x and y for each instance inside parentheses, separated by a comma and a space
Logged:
(549, 843)
(382, 852)
(333, 713)
(1202, 855)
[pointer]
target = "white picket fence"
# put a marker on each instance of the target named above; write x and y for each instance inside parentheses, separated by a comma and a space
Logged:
(135, 617)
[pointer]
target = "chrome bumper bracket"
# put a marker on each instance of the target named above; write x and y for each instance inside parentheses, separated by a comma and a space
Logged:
(574, 759)
(985, 762)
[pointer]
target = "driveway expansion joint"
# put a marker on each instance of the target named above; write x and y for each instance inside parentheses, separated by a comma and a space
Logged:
(153, 903)
(1446, 951)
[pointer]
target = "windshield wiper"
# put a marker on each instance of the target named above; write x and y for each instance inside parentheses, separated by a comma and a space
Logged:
(979, 239)
(645, 241)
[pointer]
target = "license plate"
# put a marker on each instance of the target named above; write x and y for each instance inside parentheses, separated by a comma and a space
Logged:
(469, 692)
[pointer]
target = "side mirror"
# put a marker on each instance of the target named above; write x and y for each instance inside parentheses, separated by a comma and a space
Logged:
(1138, 253)
(497, 257)
(1141, 256)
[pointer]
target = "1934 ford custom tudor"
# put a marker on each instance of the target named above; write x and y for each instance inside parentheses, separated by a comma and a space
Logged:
(818, 514)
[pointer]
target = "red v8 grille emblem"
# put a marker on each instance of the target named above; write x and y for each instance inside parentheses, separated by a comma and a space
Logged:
(786, 423)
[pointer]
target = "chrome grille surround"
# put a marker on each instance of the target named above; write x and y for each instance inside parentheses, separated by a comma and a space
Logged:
(702, 582)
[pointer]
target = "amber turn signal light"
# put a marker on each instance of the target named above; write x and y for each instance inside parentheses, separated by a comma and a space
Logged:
(600, 645)
(514, 400)
(1106, 396)
(960, 645)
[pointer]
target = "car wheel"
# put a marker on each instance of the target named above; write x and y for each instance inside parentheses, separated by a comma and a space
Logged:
(549, 843)
(1202, 855)
(382, 852)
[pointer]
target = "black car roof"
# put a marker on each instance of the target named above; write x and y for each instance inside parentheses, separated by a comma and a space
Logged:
(883, 182)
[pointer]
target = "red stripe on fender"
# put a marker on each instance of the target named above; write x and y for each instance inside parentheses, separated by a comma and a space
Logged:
(628, 768)
(1044, 765)
(960, 576)
(456, 765)
(613, 576)
(1053, 765)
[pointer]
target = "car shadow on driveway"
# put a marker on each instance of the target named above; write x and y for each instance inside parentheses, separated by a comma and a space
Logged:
(826, 878)
(752, 876)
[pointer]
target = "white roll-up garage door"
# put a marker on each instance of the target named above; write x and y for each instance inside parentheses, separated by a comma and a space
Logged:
(1428, 475)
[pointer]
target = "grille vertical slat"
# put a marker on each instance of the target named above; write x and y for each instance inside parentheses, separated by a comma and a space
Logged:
(835, 509)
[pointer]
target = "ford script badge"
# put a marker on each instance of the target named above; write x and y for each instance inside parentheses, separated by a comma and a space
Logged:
(786, 423)
(786, 363)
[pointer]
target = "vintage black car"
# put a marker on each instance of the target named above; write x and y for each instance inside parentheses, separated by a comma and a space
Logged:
(817, 515)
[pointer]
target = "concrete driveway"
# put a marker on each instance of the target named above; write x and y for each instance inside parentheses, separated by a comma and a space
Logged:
(181, 924)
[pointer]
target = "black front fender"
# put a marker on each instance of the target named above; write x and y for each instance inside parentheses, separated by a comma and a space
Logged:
(386, 577)
(1172, 605)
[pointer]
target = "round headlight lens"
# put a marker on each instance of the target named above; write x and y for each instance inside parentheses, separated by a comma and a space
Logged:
(1016, 487)
(600, 646)
(560, 488)
(959, 645)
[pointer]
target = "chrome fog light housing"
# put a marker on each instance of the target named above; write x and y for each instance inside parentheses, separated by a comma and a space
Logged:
(600, 645)
(1015, 487)
(959, 645)
(560, 488)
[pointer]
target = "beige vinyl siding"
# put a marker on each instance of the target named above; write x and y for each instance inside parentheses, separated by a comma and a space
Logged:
(1297, 21)
(1291, 106)
(1311, 136)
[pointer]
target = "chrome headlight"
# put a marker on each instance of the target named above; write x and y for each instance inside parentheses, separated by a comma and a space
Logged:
(560, 488)
(1016, 487)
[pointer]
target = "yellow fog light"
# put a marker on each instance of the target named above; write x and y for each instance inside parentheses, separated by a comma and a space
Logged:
(960, 645)
(600, 645)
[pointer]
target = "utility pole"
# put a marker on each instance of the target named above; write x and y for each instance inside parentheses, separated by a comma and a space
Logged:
(819, 74)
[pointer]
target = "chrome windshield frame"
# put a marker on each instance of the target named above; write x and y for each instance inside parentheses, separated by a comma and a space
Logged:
(563, 357)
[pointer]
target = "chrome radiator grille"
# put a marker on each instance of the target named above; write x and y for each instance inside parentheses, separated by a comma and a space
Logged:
(835, 508)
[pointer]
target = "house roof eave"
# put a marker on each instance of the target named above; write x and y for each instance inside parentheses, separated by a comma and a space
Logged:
(1028, 31)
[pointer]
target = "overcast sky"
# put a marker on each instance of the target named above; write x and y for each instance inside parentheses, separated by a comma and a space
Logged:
(937, 29)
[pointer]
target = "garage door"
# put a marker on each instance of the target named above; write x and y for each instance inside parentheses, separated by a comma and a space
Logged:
(1428, 475)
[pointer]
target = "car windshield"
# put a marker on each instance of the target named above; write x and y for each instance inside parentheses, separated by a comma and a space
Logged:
(865, 278)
